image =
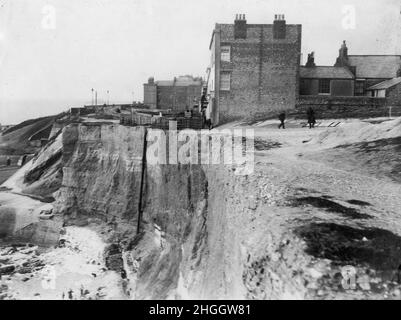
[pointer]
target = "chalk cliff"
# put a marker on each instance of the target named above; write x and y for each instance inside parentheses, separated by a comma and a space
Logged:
(199, 235)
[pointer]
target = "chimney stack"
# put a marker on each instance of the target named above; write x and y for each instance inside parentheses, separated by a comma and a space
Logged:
(240, 26)
(279, 26)
(342, 60)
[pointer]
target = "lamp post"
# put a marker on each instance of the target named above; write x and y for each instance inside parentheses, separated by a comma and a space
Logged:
(108, 97)
(92, 96)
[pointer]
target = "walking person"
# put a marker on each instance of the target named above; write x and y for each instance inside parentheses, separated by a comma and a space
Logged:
(281, 117)
(311, 117)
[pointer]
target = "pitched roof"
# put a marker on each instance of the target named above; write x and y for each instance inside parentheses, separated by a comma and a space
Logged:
(383, 67)
(386, 84)
(323, 72)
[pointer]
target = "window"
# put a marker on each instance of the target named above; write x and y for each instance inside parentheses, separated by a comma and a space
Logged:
(324, 86)
(225, 80)
(226, 53)
(360, 88)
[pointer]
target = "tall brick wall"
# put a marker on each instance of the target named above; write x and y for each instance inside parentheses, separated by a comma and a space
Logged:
(264, 72)
(344, 107)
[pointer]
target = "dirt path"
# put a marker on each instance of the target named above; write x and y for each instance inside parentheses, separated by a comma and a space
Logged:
(344, 217)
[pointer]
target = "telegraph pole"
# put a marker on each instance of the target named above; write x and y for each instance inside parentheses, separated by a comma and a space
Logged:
(95, 98)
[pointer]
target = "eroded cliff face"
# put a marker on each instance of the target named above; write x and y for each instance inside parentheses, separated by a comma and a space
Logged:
(101, 172)
(203, 235)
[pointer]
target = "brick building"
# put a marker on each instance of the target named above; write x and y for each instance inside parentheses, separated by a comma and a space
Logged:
(176, 94)
(254, 69)
(351, 75)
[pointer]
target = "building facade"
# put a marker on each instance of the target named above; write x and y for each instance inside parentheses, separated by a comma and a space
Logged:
(351, 75)
(369, 70)
(326, 80)
(177, 94)
(254, 69)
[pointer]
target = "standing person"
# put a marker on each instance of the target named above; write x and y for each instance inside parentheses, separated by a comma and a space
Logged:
(8, 161)
(311, 117)
(208, 111)
(281, 117)
(70, 296)
(203, 117)
(203, 101)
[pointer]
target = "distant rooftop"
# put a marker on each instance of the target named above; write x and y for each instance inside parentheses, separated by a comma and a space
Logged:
(326, 72)
(181, 81)
(375, 66)
(386, 84)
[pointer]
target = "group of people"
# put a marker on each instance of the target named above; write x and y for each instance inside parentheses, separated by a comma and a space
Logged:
(310, 113)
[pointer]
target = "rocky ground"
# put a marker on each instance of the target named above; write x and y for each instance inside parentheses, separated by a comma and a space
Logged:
(74, 270)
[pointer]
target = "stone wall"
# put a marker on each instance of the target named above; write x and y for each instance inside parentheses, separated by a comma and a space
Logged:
(344, 107)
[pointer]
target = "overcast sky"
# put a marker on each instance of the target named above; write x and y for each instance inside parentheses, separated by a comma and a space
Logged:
(50, 62)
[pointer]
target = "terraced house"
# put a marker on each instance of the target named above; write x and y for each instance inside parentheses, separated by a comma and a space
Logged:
(351, 75)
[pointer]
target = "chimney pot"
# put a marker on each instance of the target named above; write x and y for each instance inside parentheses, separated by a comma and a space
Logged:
(240, 27)
(279, 27)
